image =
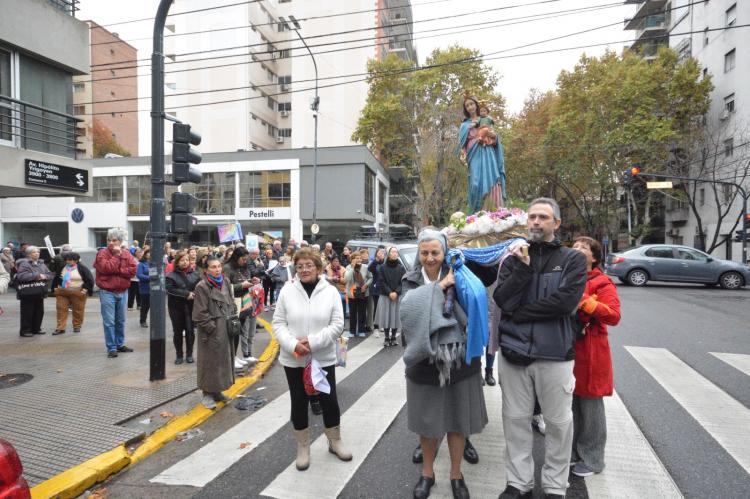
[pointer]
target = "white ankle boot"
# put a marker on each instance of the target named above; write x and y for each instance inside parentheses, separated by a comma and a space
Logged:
(303, 448)
(334, 444)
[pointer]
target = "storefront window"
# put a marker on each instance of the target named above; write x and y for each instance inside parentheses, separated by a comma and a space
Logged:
(105, 189)
(215, 194)
(266, 189)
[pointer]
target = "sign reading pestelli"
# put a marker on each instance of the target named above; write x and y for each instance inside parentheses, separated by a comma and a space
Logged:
(264, 213)
(56, 176)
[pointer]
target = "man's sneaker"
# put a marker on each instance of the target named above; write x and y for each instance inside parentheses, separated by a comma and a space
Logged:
(348, 335)
(580, 469)
(208, 402)
(239, 363)
(361, 335)
(538, 422)
(124, 349)
(76, 329)
(250, 360)
(112, 354)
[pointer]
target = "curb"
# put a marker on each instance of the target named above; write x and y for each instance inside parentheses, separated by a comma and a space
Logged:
(73, 482)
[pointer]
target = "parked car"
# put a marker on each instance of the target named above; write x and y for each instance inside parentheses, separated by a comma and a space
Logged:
(407, 251)
(674, 263)
(12, 483)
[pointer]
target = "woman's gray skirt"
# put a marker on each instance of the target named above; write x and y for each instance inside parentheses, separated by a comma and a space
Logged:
(387, 313)
(433, 411)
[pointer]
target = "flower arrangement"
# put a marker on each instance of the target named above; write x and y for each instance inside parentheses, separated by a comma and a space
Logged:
(486, 228)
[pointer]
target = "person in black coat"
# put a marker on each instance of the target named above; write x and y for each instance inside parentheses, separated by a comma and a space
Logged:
(181, 283)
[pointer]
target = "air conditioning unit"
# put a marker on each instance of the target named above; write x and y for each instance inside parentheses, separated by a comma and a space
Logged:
(284, 114)
(279, 140)
(284, 87)
(724, 115)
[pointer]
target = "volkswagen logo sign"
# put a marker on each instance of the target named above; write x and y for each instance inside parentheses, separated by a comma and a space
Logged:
(77, 215)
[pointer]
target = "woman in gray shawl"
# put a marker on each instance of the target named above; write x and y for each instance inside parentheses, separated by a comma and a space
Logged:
(443, 394)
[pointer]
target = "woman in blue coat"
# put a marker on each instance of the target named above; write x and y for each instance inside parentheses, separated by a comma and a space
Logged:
(143, 285)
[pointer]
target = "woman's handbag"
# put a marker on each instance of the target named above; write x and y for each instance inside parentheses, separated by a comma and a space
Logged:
(234, 326)
(32, 289)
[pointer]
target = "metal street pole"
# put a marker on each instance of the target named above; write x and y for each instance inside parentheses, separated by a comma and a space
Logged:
(158, 203)
(314, 106)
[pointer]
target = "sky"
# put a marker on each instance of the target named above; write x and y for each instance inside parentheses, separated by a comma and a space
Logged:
(519, 72)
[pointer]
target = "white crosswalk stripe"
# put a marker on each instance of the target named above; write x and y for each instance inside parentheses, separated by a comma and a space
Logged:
(327, 475)
(739, 361)
(211, 460)
(718, 413)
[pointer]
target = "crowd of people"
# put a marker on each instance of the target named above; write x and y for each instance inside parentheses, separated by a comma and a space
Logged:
(550, 306)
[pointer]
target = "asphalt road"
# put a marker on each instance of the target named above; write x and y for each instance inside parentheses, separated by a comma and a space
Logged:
(686, 321)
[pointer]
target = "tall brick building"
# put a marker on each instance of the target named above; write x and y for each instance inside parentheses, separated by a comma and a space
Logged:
(98, 98)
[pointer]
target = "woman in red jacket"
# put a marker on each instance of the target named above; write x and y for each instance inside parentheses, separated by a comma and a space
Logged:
(599, 308)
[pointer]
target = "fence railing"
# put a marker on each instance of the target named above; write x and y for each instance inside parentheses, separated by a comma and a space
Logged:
(67, 6)
(37, 128)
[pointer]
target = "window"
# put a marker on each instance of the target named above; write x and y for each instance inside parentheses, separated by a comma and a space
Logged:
(79, 109)
(726, 192)
(731, 16)
(660, 252)
(285, 80)
(369, 192)
(215, 194)
(705, 73)
(281, 27)
(729, 58)
(285, 132)
(271, 103)
(283, 54)
(139, 194)
(729, 147)
(79, 87)
(272, 130)
(285, 106)
(705, 37)
(266, 189)
(104, 189)
(382, 198)
(729, 103)
(702, 196)
(691, 254)
(270, 75)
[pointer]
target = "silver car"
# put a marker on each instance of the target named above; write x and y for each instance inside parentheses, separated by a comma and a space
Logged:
(669, 262)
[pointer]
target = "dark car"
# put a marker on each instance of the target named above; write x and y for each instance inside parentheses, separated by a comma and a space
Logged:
(12, 483)
(674, 263)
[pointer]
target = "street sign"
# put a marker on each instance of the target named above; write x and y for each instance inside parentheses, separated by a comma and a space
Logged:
(56, 176)
(659, 185)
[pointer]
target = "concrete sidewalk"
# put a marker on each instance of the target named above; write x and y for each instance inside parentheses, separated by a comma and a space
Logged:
(80, 403)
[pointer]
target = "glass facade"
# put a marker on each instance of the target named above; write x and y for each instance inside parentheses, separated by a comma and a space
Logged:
(369, 192)
(265, 189)
(215, 194)
(139, 195)
(104, 189)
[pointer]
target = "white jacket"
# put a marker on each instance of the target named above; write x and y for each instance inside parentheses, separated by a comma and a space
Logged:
(319, 318)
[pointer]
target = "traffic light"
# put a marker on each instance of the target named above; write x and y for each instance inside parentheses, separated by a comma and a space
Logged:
(629, 175)
(183, 159)
(746, 222)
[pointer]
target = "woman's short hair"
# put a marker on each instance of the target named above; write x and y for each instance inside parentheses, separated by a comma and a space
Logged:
(31, 249)
(594, 246)
(71, 255)
(307, 253)
(145, 253)
(116, 233)
(179, 256)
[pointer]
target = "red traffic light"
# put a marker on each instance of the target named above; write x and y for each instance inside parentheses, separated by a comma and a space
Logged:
(635, 170)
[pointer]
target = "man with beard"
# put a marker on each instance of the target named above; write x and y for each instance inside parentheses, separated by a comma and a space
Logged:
(539, 288)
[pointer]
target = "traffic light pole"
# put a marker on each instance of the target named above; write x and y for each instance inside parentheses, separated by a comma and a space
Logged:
(741, 190)
(158, 203)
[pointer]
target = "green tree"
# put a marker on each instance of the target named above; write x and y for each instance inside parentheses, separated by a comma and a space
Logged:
(411, 119)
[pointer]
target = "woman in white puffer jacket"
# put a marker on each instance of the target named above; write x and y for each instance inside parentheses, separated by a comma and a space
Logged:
(307, 323)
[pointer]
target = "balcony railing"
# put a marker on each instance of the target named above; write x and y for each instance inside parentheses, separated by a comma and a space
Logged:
(36, 128)
(659, 21)
(67, 6)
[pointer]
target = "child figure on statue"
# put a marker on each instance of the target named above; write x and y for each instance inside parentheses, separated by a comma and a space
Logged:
(486, 134)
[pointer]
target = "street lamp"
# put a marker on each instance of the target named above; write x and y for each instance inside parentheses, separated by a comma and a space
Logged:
(314, 106)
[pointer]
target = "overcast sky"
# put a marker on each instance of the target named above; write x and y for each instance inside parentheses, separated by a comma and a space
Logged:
(518, 74)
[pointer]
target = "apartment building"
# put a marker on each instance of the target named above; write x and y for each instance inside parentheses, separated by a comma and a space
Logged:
(42, 47)
(722, 51)
(650, 26)
(262, 88)
(102, 99)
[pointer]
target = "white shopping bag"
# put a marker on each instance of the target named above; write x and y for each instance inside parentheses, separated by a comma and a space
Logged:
(320, 382)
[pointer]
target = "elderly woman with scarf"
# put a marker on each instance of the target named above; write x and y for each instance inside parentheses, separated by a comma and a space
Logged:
(443, 393)
(213, 302)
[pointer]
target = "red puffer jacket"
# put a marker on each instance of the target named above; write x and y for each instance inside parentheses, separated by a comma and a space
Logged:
(113, 272)
(599, 308)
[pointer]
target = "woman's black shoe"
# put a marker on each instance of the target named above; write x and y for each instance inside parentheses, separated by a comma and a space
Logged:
(189, 359)
(422, 489)
(488, 378)
(178, 361)
(316, 408)
(470, 453)
(417, 456)
(460, 491)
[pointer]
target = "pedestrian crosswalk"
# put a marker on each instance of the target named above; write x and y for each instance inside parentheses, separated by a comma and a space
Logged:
(633, 468)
